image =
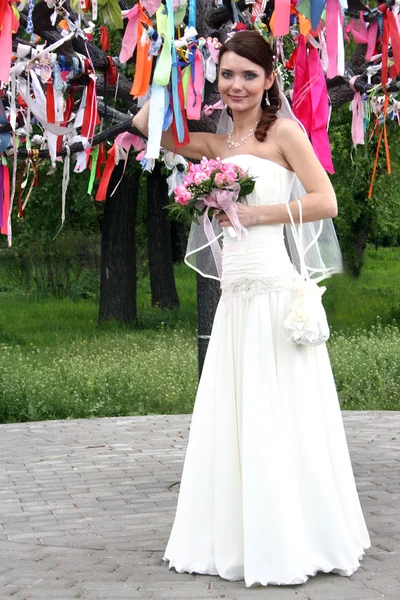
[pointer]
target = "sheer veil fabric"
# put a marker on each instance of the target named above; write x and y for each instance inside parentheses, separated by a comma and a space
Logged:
(321, 248)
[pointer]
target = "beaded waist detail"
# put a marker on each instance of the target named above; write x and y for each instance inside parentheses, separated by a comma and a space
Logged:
(248, 288)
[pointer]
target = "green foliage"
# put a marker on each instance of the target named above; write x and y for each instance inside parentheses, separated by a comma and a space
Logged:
(361, 218)
(58, 268)
(366, 367)
(358, 303)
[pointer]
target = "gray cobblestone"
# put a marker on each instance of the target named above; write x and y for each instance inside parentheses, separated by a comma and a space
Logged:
(86, 510)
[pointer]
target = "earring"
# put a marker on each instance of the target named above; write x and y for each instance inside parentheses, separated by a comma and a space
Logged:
(267, 102)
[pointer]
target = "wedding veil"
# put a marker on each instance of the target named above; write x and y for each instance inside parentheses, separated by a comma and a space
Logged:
(321, 250)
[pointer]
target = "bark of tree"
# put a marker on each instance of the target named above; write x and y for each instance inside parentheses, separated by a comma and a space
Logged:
(178, 241)
(118, 250)
(162, 281)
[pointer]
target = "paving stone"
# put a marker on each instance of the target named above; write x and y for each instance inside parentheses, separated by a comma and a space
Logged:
(86, 510)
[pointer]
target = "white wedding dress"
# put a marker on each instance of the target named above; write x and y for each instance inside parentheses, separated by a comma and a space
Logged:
(267, 492)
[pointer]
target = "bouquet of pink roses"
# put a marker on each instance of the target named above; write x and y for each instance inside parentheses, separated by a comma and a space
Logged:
(212, 186)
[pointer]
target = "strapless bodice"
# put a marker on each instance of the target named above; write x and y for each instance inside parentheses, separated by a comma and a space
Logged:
(259, 261)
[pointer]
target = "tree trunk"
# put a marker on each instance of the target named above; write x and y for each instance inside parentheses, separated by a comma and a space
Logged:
(162, 280)
(361, 233)
(118, 249)
(178, 241)
(208, 294)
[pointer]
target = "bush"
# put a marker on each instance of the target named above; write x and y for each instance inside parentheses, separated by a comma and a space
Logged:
(366, 367)
(54, 268)
(129, 373)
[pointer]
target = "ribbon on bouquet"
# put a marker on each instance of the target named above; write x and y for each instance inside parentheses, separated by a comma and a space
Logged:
(221, 200)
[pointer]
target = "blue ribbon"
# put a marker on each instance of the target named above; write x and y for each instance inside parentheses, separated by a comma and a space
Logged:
(192, 14)
(316, 8)
(174, 75)
(5, 138)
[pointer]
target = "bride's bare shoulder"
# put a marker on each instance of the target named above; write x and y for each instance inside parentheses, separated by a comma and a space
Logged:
(289, 127)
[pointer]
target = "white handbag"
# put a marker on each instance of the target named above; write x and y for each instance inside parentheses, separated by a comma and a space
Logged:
(306, 322)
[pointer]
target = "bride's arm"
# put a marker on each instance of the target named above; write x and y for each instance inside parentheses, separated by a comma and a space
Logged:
(200, 143)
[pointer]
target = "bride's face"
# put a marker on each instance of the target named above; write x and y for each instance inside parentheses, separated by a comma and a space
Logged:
(241, 82)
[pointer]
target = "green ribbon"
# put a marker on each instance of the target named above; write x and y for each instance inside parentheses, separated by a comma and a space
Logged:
(95, 156)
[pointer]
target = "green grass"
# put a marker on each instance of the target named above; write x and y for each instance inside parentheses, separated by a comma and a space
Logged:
(56, 362)
(375, 296)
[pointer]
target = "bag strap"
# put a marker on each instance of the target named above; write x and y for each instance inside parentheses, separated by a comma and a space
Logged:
(298, 237)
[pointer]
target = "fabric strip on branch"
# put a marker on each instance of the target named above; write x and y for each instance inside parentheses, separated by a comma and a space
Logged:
(101, 195)
(9, 25)
(196, 87)
(383, 134)
(357, 122)
(144, 60)
(129, 41)
(281, 18)
(93, 169)
(159, 101)
(310, 101)
(6, 205)
(333, 31)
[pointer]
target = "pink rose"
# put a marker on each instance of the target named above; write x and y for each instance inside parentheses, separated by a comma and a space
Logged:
(229, 167)
(219, 179)
(199, 177)
(230, 177)
(188, 179)
(215, 164)
(183, 198)
(180, 190)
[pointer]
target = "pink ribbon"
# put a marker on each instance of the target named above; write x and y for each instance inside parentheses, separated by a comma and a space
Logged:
(126, 140)
(320, 111)
(6, 42)
(357, 123)
(332, 24)
(281, 18)
(129, 40)
(221, 200)
(208, 109)
(195, 89)
(310, 101)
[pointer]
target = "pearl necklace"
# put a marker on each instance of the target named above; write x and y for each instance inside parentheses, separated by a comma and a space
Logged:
(233, 144)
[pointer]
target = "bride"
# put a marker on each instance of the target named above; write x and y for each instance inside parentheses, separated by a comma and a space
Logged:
(267, 492)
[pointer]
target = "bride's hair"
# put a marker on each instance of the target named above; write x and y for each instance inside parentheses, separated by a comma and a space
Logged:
(250, 45)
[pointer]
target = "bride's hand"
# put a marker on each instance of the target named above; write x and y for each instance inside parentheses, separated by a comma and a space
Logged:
(247, 216)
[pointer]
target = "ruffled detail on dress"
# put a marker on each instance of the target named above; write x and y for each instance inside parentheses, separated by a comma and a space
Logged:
(296, 580)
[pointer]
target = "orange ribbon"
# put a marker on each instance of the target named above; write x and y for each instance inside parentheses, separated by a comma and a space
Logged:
(144, 64)
(383, 134)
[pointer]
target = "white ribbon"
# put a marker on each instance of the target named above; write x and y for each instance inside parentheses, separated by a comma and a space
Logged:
(158, 101)
(81, 157)
(65, 182)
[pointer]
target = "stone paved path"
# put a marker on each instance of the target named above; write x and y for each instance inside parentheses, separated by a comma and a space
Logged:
(86, 508)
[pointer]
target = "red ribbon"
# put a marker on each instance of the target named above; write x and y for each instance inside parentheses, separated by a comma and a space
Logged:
(6, 200)
(105, 43)
(69, 105)
(50, 103)
(105, 180)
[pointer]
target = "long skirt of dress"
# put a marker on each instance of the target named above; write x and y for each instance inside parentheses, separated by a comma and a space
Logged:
(267, 492)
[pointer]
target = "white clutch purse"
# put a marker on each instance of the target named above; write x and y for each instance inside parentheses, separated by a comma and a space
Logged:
(306, 322)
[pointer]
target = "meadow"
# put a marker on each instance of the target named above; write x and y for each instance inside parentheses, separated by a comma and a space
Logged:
(57, 363)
